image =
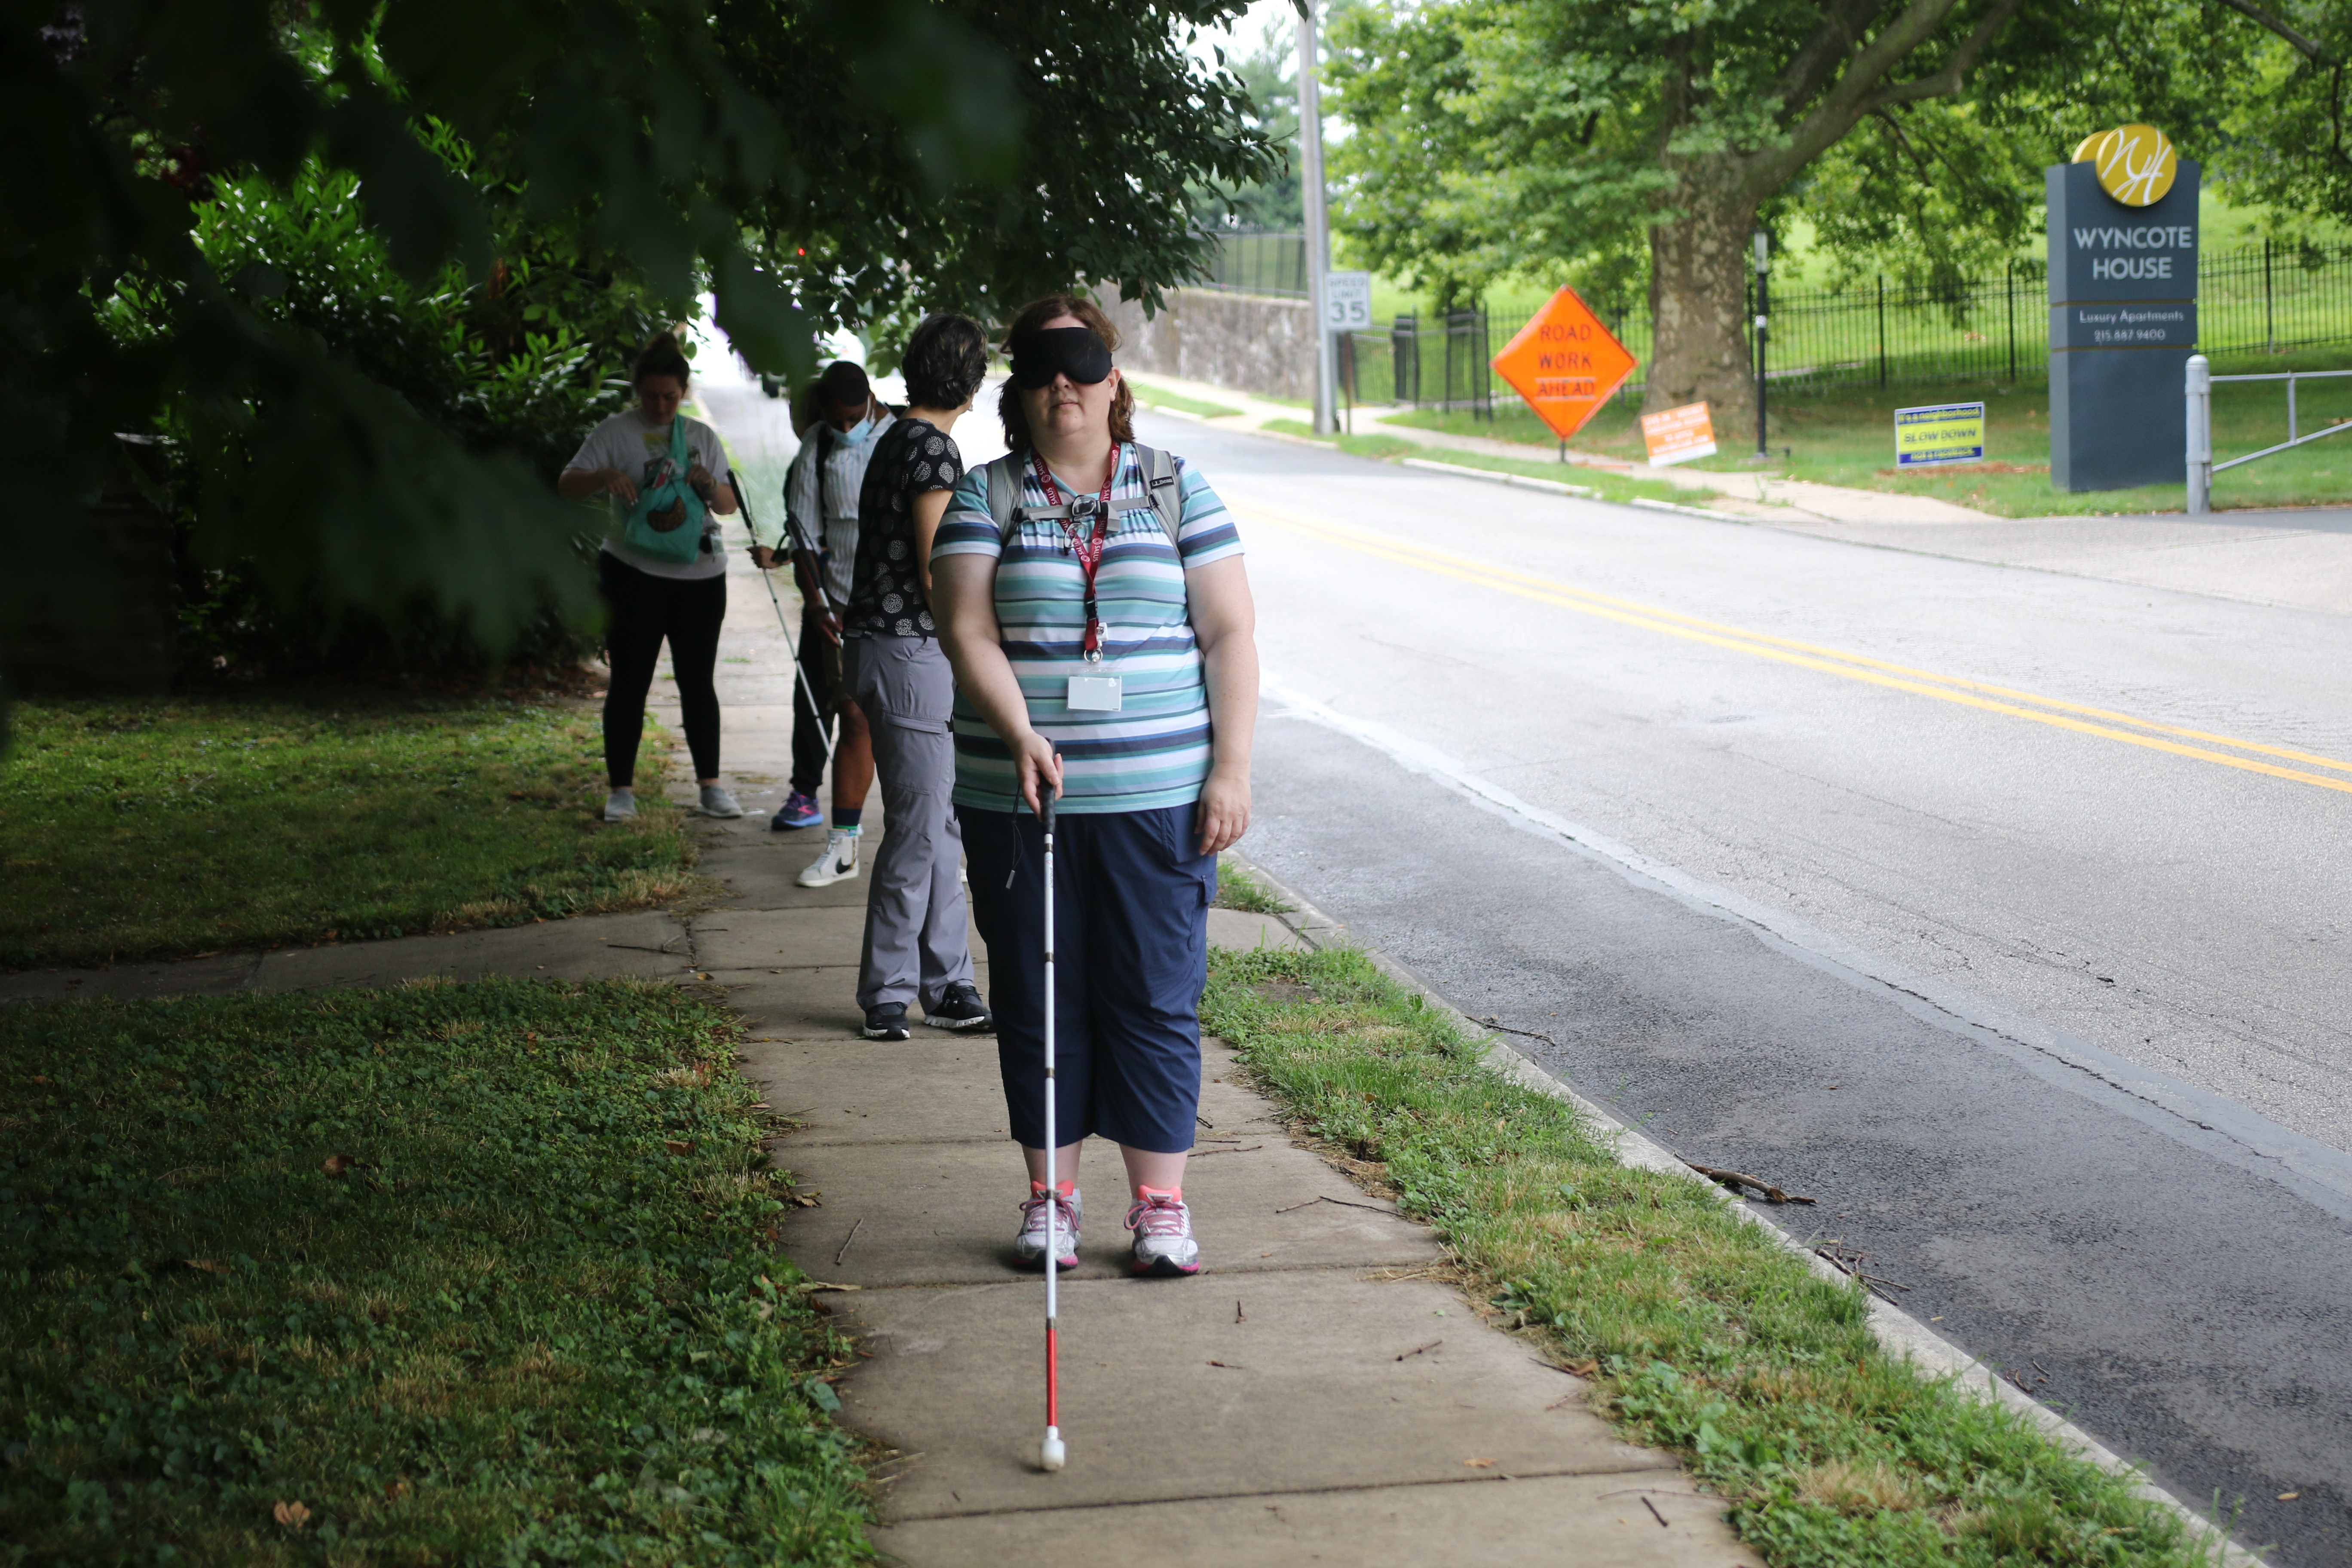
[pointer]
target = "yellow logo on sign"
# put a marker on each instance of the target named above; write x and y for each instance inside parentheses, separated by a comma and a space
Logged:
(2135, 162)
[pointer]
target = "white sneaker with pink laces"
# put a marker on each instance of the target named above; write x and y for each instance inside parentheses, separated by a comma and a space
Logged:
(1163, 1235)
(1029, 1247)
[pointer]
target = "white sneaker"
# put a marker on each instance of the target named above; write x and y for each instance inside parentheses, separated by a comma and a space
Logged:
(837, 864)
(1029, 1247)
(621, 806)
(1163, 1236)
(717, 802)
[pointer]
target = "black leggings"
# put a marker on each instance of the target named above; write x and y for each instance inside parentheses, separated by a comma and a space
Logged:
(644, 609)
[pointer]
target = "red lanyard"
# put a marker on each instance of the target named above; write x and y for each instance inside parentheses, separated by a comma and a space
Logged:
(1088, 551)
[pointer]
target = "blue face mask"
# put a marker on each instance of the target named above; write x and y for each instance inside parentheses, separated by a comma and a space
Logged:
(858, 431)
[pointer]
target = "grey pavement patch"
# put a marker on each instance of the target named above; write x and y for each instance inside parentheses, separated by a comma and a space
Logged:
(1487, 1519)
(944, 1214)
(1309, 1395)
(648, 944)
(854, 1090)
(219, 974)
(787, 938)
(1243, 930)
(2313, 1170)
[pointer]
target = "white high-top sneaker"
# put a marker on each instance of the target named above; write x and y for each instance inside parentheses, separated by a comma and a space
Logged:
(838, 863)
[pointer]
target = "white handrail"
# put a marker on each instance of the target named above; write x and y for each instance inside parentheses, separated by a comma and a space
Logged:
(2200, 435)
(2201, 467)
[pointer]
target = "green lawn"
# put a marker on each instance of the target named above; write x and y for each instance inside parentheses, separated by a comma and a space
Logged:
(146, 828)
(442, 1274)
(1703, 1334)
(1601, 483)
(1155, 397)
(1846, 437)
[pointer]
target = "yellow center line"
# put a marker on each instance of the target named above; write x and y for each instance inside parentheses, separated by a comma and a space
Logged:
(1806, 656)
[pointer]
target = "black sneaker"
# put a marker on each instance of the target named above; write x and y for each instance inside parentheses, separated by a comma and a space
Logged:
(961, 1010)
(887, 1022)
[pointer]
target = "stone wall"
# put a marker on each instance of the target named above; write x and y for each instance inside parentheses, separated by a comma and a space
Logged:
(1247, 341)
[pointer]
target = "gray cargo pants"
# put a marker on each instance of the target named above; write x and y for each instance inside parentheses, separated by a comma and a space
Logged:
(917, 939)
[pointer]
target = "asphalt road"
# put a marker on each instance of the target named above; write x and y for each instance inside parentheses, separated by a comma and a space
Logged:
(2004, 912)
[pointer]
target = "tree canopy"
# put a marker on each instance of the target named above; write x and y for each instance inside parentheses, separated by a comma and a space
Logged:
(809, 162)
(1635, 146)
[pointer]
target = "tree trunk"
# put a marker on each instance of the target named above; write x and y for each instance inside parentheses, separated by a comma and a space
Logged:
(1700, 267)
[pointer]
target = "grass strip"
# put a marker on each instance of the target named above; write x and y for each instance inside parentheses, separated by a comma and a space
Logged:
(148, 828)
(1154, 397)
(1604, 483)
(1382, 446)
(1702, 1334)
(445, 1273)
(1239, 889)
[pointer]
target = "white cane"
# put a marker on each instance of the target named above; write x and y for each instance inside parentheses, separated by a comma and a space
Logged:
(815, 707)
(1050, 1453)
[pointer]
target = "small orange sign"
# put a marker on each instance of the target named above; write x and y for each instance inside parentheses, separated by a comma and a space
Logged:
(1564, 362)
(1679, 434)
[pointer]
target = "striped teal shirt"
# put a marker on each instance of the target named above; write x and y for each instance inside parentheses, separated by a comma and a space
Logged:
(1154, 752)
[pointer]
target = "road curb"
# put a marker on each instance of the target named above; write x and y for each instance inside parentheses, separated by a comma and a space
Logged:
(1496, 476)
(1901, 1333)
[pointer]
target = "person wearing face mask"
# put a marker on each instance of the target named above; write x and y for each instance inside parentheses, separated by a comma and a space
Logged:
(1092, 599)
(821, 491)
(663, 568)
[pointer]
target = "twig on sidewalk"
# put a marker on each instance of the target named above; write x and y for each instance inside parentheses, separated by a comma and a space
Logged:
(1735, 1178)
(1530, 1034)
(847, 1239)
(1312, 1202)
(1654, 1511)
(1204, 1154)
(1417, 1349)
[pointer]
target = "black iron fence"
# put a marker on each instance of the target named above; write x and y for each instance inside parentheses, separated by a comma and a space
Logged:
(2255, 299)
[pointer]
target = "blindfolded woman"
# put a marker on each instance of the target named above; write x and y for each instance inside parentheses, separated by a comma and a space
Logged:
(1092, 598)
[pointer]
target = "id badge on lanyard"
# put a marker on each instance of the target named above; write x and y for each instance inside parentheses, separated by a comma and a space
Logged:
(1093, 692)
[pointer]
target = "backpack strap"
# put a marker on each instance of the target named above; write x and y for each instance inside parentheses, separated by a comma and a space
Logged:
(1004, 498)
(1160, 484)
(1161, 493)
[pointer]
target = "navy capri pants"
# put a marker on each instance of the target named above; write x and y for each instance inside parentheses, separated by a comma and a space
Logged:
(1131, 899)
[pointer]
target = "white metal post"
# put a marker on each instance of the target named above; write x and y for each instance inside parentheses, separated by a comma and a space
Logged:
(1319, 228)
(2200, 435)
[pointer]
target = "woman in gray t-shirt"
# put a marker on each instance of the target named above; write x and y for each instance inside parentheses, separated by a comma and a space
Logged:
(663, 569)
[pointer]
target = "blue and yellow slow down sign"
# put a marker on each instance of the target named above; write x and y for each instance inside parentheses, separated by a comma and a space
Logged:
(2135, 162)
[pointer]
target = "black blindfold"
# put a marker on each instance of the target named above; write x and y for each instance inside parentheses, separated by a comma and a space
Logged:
(1075, 352)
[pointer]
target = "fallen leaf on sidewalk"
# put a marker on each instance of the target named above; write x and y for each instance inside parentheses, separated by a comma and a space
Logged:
(2288, 1497)
(1479, 1464)
(1229, 1366)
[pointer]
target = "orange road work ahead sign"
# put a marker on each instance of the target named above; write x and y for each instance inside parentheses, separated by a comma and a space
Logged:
(1564, 362)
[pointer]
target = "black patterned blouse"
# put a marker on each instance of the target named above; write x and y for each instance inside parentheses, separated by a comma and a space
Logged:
(886, 592)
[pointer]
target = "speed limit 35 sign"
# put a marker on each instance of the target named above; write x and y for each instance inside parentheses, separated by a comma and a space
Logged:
(1348, 301)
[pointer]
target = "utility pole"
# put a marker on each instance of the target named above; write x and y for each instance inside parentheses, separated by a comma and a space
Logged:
(1763, 311)
(1319, 228)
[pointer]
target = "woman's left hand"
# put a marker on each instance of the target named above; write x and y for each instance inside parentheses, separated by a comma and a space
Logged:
(1224, 812)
